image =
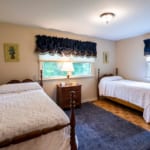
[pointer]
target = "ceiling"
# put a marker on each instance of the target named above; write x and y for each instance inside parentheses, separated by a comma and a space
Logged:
(81, 16)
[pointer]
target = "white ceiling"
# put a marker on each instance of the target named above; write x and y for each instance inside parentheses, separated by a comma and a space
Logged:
(81, 16)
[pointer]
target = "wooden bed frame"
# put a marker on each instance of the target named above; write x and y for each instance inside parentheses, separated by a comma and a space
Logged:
(114, 99)
(37, 133)
(28, 80)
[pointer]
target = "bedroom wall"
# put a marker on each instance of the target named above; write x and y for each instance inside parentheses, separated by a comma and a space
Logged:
(130, 58)
(28, 66)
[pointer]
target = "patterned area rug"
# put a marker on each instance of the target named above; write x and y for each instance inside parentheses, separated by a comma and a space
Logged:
(98, 129)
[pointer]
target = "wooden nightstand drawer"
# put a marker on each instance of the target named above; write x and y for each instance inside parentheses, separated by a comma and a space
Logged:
(74, 88)
(64, 95)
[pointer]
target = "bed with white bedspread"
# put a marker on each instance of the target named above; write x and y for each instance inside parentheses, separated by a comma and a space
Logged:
(26, 110)
(137, 93)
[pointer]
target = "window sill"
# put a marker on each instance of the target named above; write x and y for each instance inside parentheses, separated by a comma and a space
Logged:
(73, 77)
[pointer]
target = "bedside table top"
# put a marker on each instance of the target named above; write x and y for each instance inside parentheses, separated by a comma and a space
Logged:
(68, 85)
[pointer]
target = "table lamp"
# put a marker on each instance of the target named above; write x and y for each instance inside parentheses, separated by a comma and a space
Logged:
(68, 67)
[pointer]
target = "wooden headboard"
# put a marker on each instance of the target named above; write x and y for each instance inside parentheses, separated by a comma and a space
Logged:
(18, 81)
(28, 80)
(102, 76)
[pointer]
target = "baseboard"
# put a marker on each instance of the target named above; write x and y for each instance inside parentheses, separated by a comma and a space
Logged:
(89, 100)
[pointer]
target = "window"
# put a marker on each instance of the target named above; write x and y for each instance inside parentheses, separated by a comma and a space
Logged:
(52, 67)
(147, 67)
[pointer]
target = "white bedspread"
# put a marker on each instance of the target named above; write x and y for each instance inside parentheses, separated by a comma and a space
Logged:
(26, 111)
(134, 92)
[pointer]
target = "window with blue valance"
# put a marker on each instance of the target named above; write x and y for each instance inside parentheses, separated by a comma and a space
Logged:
(147, 47)
(64, 46)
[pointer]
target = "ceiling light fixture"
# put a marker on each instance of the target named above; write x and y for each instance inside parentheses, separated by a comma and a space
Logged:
(107, 17)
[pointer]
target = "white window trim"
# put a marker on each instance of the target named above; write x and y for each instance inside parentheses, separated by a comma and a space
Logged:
(47, 57)
(72, 77)
(74, 59)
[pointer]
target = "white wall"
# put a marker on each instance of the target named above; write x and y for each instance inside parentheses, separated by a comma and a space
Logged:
(130, 58)
(28, 66)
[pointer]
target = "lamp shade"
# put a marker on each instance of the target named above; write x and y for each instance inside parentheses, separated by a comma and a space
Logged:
(67, 66)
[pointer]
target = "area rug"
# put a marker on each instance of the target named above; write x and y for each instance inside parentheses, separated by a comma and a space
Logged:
(98, 129)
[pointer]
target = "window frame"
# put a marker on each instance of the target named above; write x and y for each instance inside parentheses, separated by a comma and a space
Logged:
(72, 76)
(57, 58)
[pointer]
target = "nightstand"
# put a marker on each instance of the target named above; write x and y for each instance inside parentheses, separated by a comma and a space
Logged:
(63, 95)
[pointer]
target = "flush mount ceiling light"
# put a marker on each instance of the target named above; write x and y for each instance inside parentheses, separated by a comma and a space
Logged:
(107, 17)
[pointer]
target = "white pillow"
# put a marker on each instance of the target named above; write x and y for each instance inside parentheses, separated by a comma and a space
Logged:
(19, 87)
(112, 78)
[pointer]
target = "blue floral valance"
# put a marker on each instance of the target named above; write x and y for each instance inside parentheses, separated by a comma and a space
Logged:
(147, 47)
(55, 45)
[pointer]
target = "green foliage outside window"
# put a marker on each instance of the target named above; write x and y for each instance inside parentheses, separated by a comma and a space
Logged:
(53, 69)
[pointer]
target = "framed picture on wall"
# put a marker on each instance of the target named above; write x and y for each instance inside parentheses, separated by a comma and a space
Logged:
(11, 52)
(105, 57)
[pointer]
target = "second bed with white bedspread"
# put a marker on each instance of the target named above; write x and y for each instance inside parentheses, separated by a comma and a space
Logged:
(134, 92)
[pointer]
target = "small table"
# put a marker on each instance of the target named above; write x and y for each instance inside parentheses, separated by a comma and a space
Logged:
(63, 95)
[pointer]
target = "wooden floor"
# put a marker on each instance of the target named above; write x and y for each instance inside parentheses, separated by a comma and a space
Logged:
(126, 113)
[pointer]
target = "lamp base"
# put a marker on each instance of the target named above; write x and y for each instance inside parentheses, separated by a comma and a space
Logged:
(68, 80)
